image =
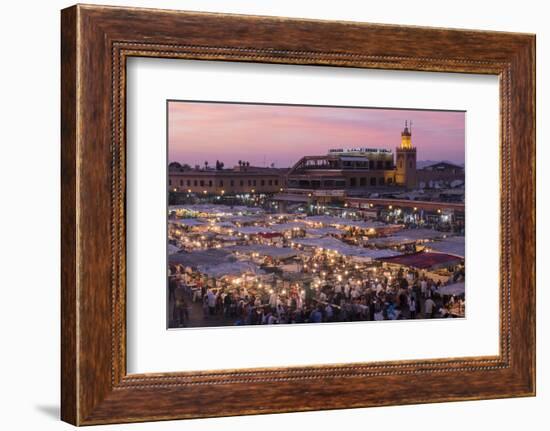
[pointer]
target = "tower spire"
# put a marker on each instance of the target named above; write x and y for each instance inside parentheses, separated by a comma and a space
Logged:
(405, 163)
(406, 136)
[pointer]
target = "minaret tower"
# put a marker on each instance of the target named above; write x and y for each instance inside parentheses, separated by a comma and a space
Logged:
(405, 174)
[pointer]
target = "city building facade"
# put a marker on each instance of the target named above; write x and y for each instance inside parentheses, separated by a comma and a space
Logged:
(238, 180)
(445, 172)
(344, 172)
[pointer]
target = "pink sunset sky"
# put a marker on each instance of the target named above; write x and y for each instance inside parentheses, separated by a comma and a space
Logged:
(281, 134)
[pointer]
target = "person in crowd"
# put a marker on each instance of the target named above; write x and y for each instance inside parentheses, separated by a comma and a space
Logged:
(316, 315)
(211, 301)
(412, 307)
(429, 308)
(181, 314)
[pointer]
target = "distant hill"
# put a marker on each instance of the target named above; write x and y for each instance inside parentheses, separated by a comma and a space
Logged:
(423, 163)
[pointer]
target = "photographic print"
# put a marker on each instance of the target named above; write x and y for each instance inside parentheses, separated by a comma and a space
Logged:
(300, 214)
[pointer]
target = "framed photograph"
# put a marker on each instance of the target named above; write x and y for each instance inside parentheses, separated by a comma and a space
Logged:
(265, 215)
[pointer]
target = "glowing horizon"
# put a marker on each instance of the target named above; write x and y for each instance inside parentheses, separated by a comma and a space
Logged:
(282, 134)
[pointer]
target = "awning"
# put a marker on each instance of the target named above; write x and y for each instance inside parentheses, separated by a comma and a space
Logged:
(201, 257)
(453, 245)
(172, 249)
(452, 289)
(189, 222)
(266, 250)
(423, 260)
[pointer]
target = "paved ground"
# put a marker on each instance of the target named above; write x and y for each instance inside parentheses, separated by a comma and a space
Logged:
(198, 319)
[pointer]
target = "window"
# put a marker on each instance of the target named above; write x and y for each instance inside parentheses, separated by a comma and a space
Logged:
(262, 182)
(270, 182)
(195, 183)
(276, 182)
(254, 182)
(373, 181)
(202, 183)
(381, 181)
(242, 183)
(249, 182)
(170, 182)
(188, 183)
(221, 183)
(379, 164)
(209, 183)
(353, 182)
(371, 164)
(232, 183)
(181, 182)
(390, 180)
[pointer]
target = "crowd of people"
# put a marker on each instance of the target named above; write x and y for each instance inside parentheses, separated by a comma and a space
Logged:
(329, 291)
